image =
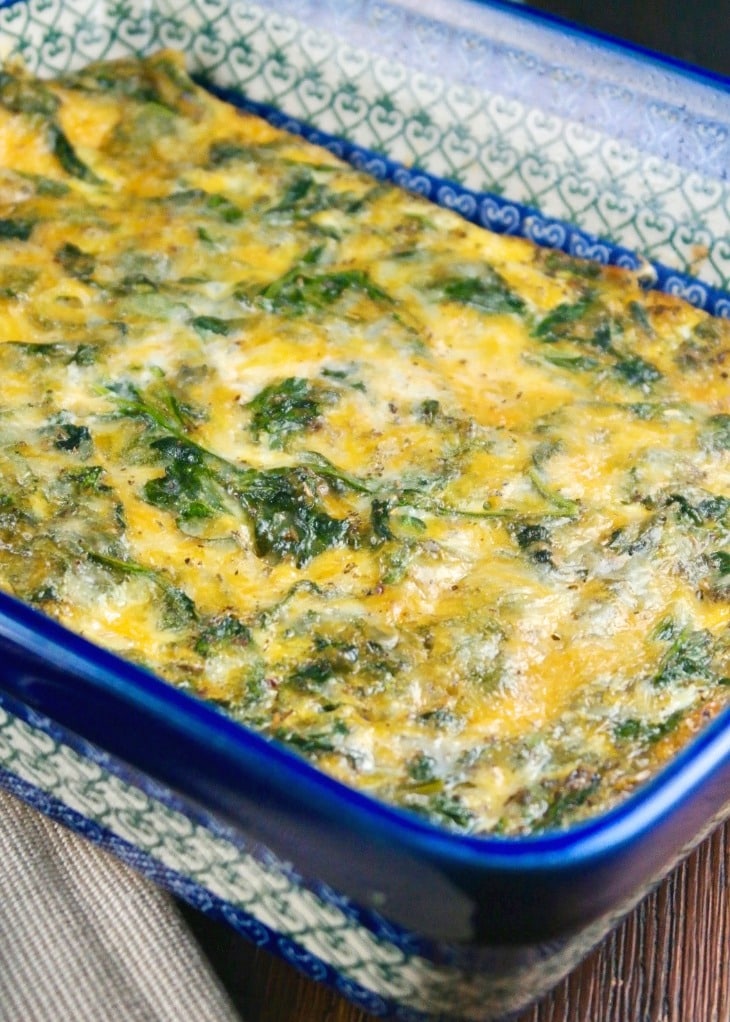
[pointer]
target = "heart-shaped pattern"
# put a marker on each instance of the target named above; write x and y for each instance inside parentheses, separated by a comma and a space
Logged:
(462, 203)
(426, 90)
(350, 108)
(499, 216)
(585, 249)
(280, 76)
(497, 161)
(691, 291)
(355, 84)
(616, 205)
(580, 139)
(619, 158)
(424, 137)
(718, 256)
(92, 39)
(654, 229)
(13, 19)
(389, 75)
(505, 114)
(244, 19)
(703, 194)
(56, 53)
(283, 32)
(413, 181)
(538, 177)
(315, 96)
(137, 34)
(352, 63)
(464, 103)
(174, 33)
(661, 177)
(543, 128)
(209, 53)
(578, 192)
(317, 49)
(545, 232)
(386, 124)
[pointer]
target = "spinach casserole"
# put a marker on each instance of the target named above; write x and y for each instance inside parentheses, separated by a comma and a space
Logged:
(446, 513)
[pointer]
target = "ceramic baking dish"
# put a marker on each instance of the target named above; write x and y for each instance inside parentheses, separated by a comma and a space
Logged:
(526, 127)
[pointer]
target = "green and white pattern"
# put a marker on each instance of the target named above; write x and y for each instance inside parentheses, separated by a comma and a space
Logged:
(299, 57)
(343, 68)
(319, 932)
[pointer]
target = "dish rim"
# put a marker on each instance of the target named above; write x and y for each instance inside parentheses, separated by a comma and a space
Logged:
(608, 41)
(41, 641)
(32, 635)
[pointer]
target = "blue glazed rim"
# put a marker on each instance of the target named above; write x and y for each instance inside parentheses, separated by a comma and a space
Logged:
(115, 704)
(609, 42)
(226, 769)
(621, 47)
(37, 640)
(490, 210)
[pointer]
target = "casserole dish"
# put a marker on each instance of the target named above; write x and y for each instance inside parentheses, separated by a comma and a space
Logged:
(266, 840)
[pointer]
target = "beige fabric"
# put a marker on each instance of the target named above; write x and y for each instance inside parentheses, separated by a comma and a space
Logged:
(85, 939)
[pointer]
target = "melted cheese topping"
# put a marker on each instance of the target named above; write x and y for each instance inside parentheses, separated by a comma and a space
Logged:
(447, 513)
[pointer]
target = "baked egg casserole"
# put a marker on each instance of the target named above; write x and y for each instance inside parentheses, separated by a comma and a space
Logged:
(445, 512)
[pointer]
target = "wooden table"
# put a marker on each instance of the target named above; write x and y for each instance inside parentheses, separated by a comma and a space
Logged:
(668, 962)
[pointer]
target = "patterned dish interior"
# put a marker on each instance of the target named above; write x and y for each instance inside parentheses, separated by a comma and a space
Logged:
(593, 138)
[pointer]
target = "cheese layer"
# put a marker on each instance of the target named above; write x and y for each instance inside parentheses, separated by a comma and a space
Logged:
(446, 513)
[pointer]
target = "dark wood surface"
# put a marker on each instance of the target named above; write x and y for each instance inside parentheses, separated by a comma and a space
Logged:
(669, 961)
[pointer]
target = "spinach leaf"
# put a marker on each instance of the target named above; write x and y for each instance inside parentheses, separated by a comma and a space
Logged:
(576, 363)
(288, 407)
(158, 405)
(86, 480)
(228, 211)
(706, 509)
(721, 560)
(283, 505)
(301, 290)
(178, 610)
(70, 437)
(68, 157)
(211, 325)
(222, 631)
(556, 262)
(288, 518)
(304, 196)
(188, 488)
(636, 371)
(16, 229)
(488, 292)
(689, 658)
(311, 742)
(442, 809)
(563, 505)
(74, 261)
(380, 511)
(23, 95)
(572, 793)
(556, 324)
(634, 729)
(225, 151)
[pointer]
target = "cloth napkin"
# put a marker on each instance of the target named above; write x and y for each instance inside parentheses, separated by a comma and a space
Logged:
(85, 939)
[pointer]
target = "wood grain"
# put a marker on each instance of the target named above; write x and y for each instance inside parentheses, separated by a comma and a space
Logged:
(668, 962)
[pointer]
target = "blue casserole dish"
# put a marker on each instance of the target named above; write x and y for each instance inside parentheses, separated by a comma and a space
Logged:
(591, 152)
